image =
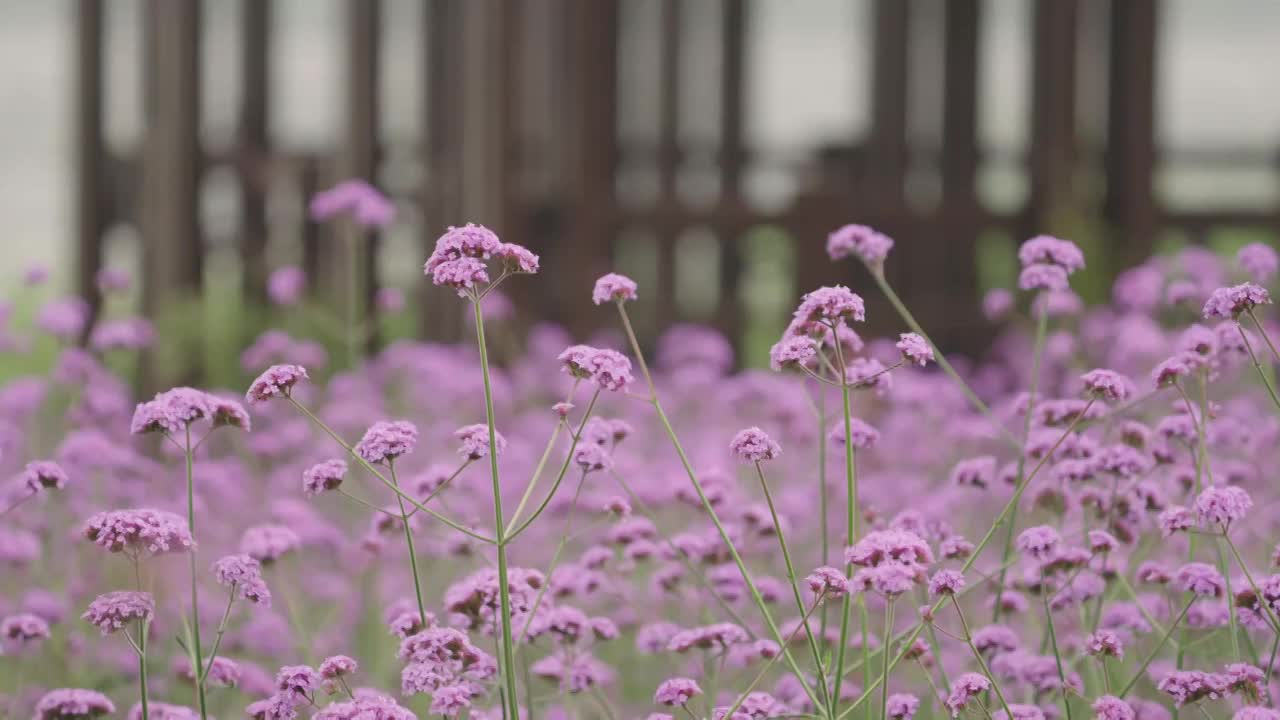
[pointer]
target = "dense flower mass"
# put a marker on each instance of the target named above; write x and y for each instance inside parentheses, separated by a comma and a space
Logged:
(1020, 533)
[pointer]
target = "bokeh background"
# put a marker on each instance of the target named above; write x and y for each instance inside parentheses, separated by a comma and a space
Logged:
(704, 147)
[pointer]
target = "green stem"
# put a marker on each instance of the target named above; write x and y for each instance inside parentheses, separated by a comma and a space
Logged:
(197, 653)
(222, 630)
(791, 578)
(408, 541)
(564, 468)
(542, 462)
(1263, 331)
(142, 670)
(555, 560)
(504, 591)
(1042, 326)
(711, 512)
(1257, 365)
(1057, 656)
(1156, 650)
(974, 400)
(982, 662)
(852, 530)
(884, 675)
(804, 618)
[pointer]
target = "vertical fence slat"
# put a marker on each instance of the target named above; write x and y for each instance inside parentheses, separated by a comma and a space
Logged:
(440, 190)
(732, 162)
(1131, 148)
(669, 204)
(1053, 112)
(886, 152)
(960, 210)
(89, 198)
(252, 151)
(360, 158)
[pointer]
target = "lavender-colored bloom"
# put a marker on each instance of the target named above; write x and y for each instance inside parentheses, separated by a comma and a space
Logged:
(891, 546)
(1259, 260)
(1199, 579)
(915, 348)
(1045, 249)
(461, 274)
(836, 304)
(1222, 504)
(281, 706)
(385, 441)
(24, 629)
(297, 680)
(752, 445)
(73, 704)
(861, 434)
(890, 579)
(828, 582)
(965, 688)
(268, 543)
(1104, 643)
(114, 610)
(337, 666)
(1110, 707)
(901, 706)
(243, 573)
(1188, 686)
(1254, 712)
(64, 318)
(997, 304)
(613, 288)
(137, 531)
(368, 706)
(1039, 542)
(867, 244)
(172, 411)
(163, 711)
(609, 369)
(978, 472)
(995, 638)
(792, 352)
(676, 691)
(1108, 385)
(946, 582)
(128, 334)
(44, 475)
(276, 381)
(285, 285)
(323, 476)
(1020, 712)
(473, 441)
(1229, 302)
(1174, 519)
(357, 198)
(1043, 277)
(591, 457)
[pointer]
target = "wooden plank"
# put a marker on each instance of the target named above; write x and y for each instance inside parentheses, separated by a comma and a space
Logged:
(252, 150)
(360, 148)
(1053, 111)
(729, 231)
(668, 159)
(1131, 148)
(886, 151)
(91, 213)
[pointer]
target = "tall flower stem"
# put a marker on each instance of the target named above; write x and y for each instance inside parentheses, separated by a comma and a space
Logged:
(1156, 650)
(711, 512)
(1263, 331)
(500, 531)
(878, 275)
(822, 497)
(197, 653)
(142, 670)
(977, 552)
(1057, 656)
(408, 541)
(1257, 364)
(982, 662)
(1042, 326)
(791, 578)
(884, 674)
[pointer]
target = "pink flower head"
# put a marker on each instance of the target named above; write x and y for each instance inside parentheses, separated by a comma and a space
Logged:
(1110, 707)
(796, 351)
(901, 706)
(517, 258)
(1104, 643)
(890, 546)
(285, 285)
(1222, 504)
(828, 582)
(473, 441)
(337, 666)
(113, 611)
(915, 348)
(44, 475)
(1229, 302)
(266, 544)
(73, 704)
(24, 629)
(1043, 277)
(385, 441)
(965, 688)
(357, 198)
(134, 532)
(676, 692)
(276, 381)
(1039, 542)
(613, 288)
(609, 369)
(172, 411)
(752, 445)
(946, 582)
(976, 472)
(243, 573)
(1108, 385)
(323, 476)
(1259, 260)
(1199, 579)
(836, 304)
(461, 274)
(1048, 250)
(867, 244)
(997, 304)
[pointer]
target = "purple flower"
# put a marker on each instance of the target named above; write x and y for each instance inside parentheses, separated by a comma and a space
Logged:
(1188, 686)
(862, 435)
(1039, 542)
(243, 574)
(915, 348)
(591, 457)
(461, 274)
(137, 531)
(881, 547)
(114, 610)
(163, 711)
(608, 369)
(276, 381)
(337, 666)
(965, 688)
(517, 258)
(297, 680)
(752, 445)
(1110, 707)
(1222, 504)
(997, 638)
(112, 280)
(676, 691)
(357, 198)
(24, 629)
(978, 472)
(473, 441)
(1199, 579)
(1229, 302)
(890, 579)
(946, 582)
(1259, 260)
(865, 243)
(285, 285)
(469, 241)
(1045, 249)
(44, 475)
(64, 318)
(172, 411)
(1175, 518)
(1020, 712)
(268, 543)
(901, 706)
(828, 582)
(1108, 385)
(385, 441)
(73, 704)
(1252, 712)
(792, 352)
(1043, 277)
(1104, 643)
(613, 288)
(323, 476)
(836, 304)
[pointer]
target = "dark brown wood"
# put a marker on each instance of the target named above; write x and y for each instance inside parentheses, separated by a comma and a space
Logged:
(360, 154)
(732, 163)
(886, 151)
(91, 213)
(668, 161)
(1131, 149)
(1053, 111)
(253, 159)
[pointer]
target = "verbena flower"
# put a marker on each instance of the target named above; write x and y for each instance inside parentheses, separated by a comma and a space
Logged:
(915, 349)
(677, 691)
(965, 688)
(1230, 302)
(1043, 277)
(44, 475)
(902, 706)
(613, 288)
(1222, 504)
(266, 544)
(385, 441)
(276, 381)
(73, 704)
(1199, 579)
(860, 241)
(114, 610)
(1110, 707)
(946, 582)
(323, 477)
(1107, 385)
(1048, 250)
(752, 445)
(144, 530)
(473, 441)
(1259, 260)
(244, 574)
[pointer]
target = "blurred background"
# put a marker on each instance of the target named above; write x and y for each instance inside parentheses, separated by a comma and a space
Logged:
(705, 147)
